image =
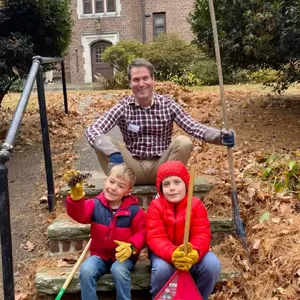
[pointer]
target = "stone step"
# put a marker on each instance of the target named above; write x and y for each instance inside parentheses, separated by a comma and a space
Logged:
(145, 193)
(48, 281)
(67, 236)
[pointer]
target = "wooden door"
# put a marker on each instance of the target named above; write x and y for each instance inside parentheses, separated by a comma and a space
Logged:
(99, 66)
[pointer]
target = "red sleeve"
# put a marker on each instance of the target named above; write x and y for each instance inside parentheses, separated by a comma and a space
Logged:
(138, 225)
(200, 235)
(80, 210)
(156, 235)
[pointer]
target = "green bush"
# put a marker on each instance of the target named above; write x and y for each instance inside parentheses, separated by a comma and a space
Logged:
(267, 75)
(17, 86)
(170, 55)
(186, 79)
(283, 173)
(122, 54)
(120, 81)
(205, 70)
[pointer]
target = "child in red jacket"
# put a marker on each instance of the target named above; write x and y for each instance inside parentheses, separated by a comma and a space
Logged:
(165, 232)
(117, 230)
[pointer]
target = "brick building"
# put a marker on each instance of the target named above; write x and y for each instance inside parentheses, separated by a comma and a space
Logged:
(101, 23)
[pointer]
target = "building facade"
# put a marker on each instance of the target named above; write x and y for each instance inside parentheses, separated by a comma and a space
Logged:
(101, 23)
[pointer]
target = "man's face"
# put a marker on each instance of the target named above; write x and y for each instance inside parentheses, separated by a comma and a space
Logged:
(173, 188)
(142, 85)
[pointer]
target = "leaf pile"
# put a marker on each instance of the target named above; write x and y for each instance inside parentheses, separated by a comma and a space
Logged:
(270, 218)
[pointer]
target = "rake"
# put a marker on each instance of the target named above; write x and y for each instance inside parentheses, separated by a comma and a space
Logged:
(181, 285)
(68, 280)
(239, 227)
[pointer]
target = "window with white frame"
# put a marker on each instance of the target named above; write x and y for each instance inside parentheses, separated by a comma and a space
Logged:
(159, 23)
(88, 8)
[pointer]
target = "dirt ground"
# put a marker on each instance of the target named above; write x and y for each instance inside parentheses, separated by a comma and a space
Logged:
(263, 123)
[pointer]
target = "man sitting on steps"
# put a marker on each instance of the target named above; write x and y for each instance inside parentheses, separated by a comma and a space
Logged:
(146, 122)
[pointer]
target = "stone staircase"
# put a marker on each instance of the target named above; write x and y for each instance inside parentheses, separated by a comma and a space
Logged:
(67, 238)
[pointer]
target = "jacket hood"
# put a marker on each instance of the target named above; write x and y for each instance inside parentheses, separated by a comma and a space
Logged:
(171, 168)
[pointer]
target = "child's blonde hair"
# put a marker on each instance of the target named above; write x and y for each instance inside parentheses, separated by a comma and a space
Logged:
(123, 171)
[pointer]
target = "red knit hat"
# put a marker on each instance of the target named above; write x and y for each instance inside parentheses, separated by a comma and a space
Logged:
(171, 168)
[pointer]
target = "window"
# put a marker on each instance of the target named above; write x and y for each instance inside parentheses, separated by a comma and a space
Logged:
(159, 23)
(111, 5)
(87, 6)
(99, 6)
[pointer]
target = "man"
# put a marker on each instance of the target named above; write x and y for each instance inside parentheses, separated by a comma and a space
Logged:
(146, 122)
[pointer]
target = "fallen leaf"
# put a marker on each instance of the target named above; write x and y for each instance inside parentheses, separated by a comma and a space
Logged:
(21, 296)
(266, 245)
(275, 220)
(297, 272)
(264, 217)
(258, 226)
(256, 244)
(29, 246)
(61, 263)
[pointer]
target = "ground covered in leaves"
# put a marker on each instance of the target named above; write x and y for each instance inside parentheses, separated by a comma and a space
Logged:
(267, 171)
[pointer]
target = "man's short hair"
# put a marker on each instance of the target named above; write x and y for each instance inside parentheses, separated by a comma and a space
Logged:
(123, 171)
(140, 62)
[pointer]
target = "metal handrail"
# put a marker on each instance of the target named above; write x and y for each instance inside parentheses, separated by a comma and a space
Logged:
(6, 150)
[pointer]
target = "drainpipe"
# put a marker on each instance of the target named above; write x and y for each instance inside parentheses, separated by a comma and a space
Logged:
(143, 22)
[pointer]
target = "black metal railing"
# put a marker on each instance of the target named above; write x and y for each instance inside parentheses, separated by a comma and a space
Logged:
(6, 151)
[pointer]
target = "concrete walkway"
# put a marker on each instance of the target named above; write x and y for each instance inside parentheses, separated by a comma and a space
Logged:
(87, 159)
(72, 86)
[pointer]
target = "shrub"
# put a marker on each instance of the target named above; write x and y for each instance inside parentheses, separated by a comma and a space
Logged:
(188, 78)
(17, 86)
(122, 54)
(170, 55)
(205, 70)
(266, 75)
(283, 172)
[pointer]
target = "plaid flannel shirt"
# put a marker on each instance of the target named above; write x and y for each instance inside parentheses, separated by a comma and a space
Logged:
(146, 131)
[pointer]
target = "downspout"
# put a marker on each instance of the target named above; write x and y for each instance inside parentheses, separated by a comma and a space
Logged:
(143, 21)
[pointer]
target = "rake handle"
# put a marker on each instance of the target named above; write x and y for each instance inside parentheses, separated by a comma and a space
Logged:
(75, 268)
(189, 210)
(221, 86)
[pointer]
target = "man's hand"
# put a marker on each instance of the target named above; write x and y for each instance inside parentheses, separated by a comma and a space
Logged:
(123, 251)
(180, 260)
(74, 181)
(227, 137)
(115, 159)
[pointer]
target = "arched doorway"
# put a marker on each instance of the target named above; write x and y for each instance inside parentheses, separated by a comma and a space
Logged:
(98, 66)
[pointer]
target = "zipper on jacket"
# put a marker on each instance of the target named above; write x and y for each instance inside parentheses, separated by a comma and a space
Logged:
(174, 236)
(110, 225)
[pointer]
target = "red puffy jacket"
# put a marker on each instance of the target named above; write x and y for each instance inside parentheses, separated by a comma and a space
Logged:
(166, 221)
(128, 224)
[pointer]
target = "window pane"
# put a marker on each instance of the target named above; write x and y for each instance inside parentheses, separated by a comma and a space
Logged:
(98, 54)
(99, 6)
(87, 6)
(111, 5)
(159, 20)
(159, 23)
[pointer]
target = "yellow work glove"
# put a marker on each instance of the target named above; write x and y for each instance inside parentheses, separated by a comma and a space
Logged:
(123, 251)
(180, 260)
(192, 253)
(74, 181)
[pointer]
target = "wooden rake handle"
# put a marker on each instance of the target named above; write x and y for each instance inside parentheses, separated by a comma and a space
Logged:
(189, 210)
(75, 268)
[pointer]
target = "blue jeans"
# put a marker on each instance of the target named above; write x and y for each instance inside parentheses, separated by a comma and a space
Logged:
(94, 267)
(205, 274)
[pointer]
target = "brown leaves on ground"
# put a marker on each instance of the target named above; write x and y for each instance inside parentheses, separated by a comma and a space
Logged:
(263, 123)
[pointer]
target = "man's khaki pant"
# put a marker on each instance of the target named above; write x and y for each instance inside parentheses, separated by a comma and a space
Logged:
(145, 169)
